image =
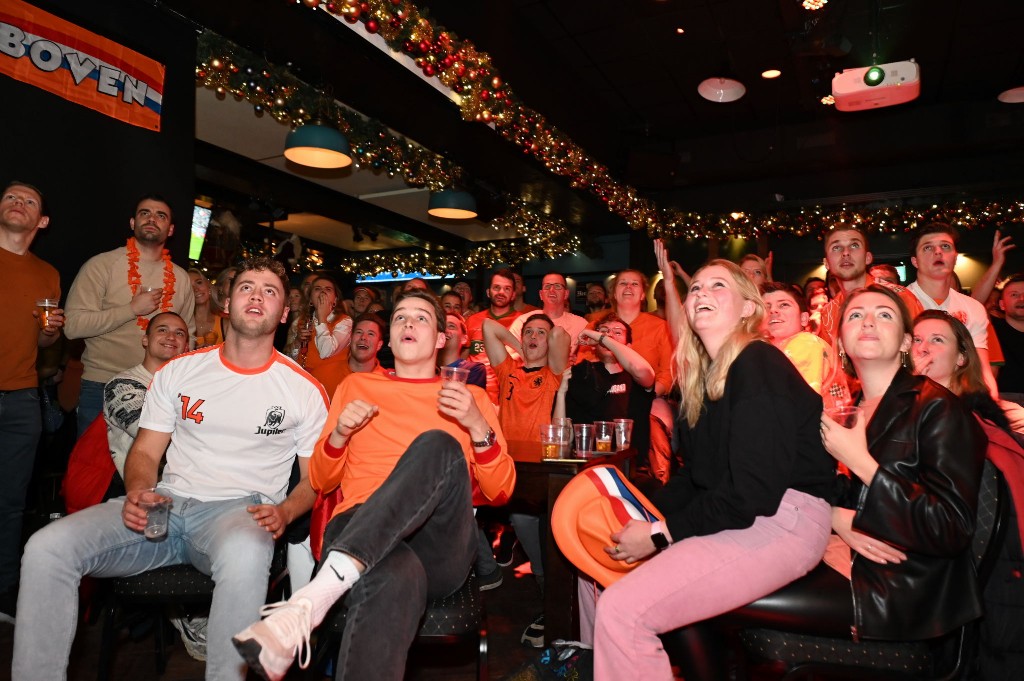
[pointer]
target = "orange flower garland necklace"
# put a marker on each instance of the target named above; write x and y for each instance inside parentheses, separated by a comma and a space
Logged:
(135, 279)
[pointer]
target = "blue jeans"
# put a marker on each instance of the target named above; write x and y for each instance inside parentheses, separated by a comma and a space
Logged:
(20, 427)
(90, 404)
(218, 538)
(417, 537)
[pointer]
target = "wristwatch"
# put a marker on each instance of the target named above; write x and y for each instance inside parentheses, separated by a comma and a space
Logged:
(488, 440)
(659, 540)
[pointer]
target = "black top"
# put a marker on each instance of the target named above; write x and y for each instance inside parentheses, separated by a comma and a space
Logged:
(1011, 375)
(596, 395)
(760, 439)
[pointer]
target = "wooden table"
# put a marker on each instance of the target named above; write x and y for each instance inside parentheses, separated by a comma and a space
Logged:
(538, 483)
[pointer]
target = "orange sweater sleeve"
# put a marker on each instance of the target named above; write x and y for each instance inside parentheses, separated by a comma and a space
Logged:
(494, 471)
(325, 468)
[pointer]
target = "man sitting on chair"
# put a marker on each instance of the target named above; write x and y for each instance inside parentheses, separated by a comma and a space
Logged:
(232, 418)
(412, 455)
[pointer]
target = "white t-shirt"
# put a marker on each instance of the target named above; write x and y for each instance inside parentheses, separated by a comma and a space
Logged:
(123, 397)
(966, 309)
(573, 325)
(233, 431)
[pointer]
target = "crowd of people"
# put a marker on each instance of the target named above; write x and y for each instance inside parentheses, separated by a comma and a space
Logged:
(249, 401)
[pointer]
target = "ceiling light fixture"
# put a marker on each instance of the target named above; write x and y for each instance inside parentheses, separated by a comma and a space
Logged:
(721, 90)
(317, 145)
(770, 74)
(680, 30)
(453, 204)
(813, 4)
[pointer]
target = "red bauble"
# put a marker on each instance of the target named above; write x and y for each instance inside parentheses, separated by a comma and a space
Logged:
(311, 3)
(396, 2)
(485, 95)
(409, 46)
(372, 26)
(349, 18)
(364, 7)
(496, 82)
(428, 70)
(424, 46)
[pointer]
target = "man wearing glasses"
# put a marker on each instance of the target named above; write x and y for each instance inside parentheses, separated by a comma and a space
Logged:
(554, 296)
(116, 293)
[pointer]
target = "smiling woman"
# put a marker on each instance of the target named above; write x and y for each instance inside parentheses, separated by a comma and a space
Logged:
(747, 513)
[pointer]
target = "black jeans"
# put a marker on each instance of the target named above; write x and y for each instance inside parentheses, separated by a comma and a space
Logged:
(20, 427)
(417, 537)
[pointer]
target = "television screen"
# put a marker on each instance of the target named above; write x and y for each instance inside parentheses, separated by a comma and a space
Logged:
(200, 221)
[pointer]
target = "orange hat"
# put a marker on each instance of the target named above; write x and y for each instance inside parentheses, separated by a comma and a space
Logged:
(596, 503)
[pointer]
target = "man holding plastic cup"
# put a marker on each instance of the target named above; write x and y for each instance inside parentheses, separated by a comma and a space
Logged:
(232, 419)
(24, 278)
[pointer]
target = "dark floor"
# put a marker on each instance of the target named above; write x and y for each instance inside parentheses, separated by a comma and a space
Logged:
(510, 608)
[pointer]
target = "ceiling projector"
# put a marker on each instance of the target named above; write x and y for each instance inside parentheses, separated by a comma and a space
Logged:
(872, 87)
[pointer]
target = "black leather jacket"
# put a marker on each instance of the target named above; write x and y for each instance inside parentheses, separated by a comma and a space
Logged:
(923, 500)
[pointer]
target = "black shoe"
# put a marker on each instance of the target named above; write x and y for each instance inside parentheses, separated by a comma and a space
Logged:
(491, 580)
(504, 555)
(533, 636)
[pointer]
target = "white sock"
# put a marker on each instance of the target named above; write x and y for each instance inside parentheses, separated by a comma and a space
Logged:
(335, 578)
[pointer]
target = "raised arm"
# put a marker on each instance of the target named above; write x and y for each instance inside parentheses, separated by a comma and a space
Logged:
(673, 303)
(559, 344)
(496, 337)
(983, 288)
(630, 360)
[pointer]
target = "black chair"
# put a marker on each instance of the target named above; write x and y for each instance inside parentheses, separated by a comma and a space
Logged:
(801, 656)
(149, 593)
(458, 618)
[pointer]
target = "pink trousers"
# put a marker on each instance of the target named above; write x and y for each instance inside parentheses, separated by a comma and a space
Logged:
(702, 577)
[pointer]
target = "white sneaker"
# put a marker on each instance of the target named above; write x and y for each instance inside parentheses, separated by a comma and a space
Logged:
(270, 646)
(193, 635)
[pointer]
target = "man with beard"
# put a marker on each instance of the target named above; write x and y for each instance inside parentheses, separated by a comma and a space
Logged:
(24, 278)
(1010, 332)
(232, 419)
(501, 292)
(934, 252)
(116, 293)
(847, 256)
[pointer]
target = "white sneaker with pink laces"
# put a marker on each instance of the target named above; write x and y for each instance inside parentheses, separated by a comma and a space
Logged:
(270, 646)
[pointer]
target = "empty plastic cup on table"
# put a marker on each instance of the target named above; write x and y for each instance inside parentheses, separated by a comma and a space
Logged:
(157, 508)
(584, 439)
(604, 436)
(565, 426)
(623, 433)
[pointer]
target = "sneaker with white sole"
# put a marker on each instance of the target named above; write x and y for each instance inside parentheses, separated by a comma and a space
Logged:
(490, 581)
(193, 635)
(270, 646)
(533, 636)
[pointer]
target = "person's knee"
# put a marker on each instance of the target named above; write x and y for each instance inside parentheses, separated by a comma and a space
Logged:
(243, 556)
(47, 548)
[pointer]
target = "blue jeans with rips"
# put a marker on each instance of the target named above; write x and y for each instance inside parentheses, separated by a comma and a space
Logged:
(218, 538)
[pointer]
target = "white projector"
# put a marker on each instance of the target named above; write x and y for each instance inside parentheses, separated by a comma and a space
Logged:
(872, 87)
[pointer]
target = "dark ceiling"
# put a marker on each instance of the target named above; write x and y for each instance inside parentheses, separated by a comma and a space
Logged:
(621, 81)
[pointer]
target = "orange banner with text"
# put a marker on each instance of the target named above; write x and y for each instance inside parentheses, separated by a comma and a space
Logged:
(43, 50)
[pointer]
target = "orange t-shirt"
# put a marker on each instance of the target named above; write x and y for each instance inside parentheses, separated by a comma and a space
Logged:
(408, 408)
(477, 353)
(525, 398)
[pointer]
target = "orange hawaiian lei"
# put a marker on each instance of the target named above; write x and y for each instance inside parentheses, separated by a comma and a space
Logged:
(135, 279)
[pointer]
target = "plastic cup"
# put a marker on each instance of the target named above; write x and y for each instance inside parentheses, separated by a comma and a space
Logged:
(46, 306)
(457, 374)
(157, 508)
(604, 436)
(567, 432)
(551, 441)
(845, 416)
(584, 439)
(623, 433)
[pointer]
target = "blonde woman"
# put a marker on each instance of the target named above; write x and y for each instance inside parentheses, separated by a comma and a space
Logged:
(747, 513)
(208, 320)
